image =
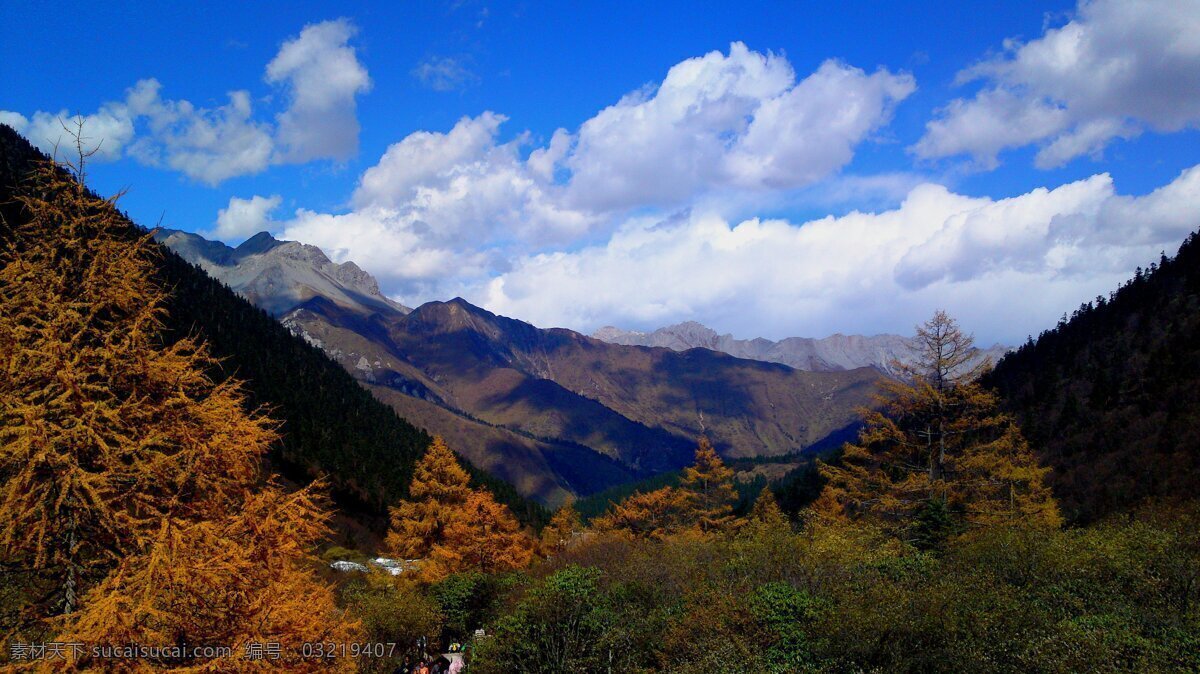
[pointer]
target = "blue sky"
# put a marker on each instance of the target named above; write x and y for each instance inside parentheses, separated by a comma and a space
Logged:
(968, 169)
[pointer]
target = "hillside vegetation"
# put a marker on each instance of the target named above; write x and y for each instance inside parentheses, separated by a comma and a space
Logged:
(138, 507)
(1110, 397)
(329, 425)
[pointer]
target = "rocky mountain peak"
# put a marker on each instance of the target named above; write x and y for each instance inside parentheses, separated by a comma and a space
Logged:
(453, 316)
(282, 275)
(257, 244)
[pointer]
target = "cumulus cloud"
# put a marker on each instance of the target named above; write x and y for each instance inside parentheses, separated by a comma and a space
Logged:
(243, 218)
(1007, 267)
(443, 73)
(459, 202)
(738, 125)
(1116, 69)
(105, 132)
(318, 73)
(728, 121)
(207, 145)
(321, 75)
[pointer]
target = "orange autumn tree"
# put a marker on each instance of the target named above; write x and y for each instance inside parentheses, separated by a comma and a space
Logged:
(766, 512)
(437, 494)
(562, 528)
(938, 451)
(452, 527)
(703, 503)
(486, 538)
(235, 581)
(708, 487)
(653, 515)
(112, 441)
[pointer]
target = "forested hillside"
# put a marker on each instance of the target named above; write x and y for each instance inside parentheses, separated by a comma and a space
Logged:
(1110, 398)
(330, 425)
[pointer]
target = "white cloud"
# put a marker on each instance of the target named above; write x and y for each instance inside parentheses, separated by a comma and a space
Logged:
(438, 204)
(207, 145)
(443, 73)
(105, 132)
(243, 218)
(443, 210)
(1007, 267)
(322, 76)
(1113, 71)
(736, 121)
(318, 72)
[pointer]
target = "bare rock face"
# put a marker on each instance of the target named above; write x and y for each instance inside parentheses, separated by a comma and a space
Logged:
(829, 354)
(279, 276)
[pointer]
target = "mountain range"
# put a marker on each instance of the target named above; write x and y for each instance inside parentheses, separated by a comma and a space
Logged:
(829, 354)
(552, 411)
(1108, 398)
(278, 276)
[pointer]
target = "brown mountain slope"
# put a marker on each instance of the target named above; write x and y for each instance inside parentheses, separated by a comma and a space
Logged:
(543, 469)
(558, 407)
(577, 388)
(552, 411)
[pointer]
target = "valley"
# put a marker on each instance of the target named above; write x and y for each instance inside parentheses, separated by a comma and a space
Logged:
(553, 412)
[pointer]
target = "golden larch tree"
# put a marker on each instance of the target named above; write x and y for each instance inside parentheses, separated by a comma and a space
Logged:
(563, 527)
(486, 538)
(938, 440)
(653, 515)
(235, 581)
(125, 471)
(766, 512)
(708, 487)
(436, 497)
(103, 429)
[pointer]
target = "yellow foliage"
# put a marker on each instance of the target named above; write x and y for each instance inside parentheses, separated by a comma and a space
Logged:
(451, 527)
(938, 436)
(562, 528)
(650, 515)
(232, 581)
(128, 478)
(708, 484)
(485, 538)
(766, 512)
(439, 490)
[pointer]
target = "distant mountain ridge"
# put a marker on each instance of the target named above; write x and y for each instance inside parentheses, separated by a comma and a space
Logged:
(829, 354)
(551, 411)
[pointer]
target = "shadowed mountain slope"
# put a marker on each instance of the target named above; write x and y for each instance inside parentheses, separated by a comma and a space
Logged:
(1110, 397)
(643, 407)
(551, 411)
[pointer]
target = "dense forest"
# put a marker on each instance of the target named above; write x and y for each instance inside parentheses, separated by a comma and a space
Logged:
(330, 425)
(1109, 397)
